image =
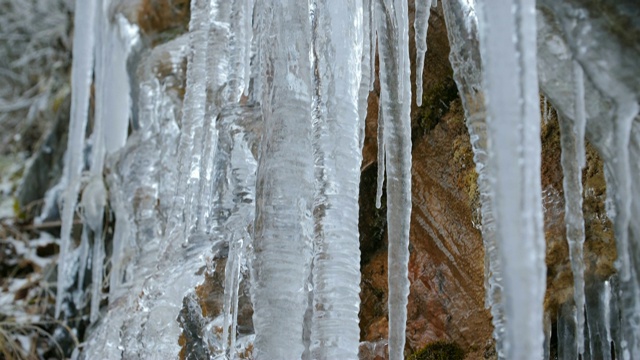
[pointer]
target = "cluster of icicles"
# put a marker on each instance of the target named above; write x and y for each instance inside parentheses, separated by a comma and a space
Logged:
(259, 163)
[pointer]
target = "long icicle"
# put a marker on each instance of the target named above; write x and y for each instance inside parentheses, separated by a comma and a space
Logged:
(573, 161)
(574, 220)
(284, 189)
(508, 48)
(336, 39)
(193, 112)
(467, 71)
(393, 40)
(81, 78)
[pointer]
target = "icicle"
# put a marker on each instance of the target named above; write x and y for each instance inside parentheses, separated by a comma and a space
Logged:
(626, 113)
(365, 69)
(230, 306)
(373, 35)
(336, 39)
(466, 62)
(122, 241)
(508, 47)
(193, 112)
(240, 170)
(82, 71)
(84, 260)
(396, 105)
(94, 200)
(223, 72)
(580, 120)
(97, 261)
(381, 157)
(113, 106)
(567, 332)
(113, 100)
(627, 209)
(248, 33)
(421, 24)
(597, 306)
(283, 226)
(205, 148)
(574, 220)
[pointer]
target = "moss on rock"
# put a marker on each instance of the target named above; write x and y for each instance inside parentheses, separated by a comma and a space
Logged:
(439, 350)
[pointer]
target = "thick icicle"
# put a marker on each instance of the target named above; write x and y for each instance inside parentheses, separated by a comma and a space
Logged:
(508, 47)
(574, 220)
(466, 62)
(336, 39)
(421, 24)
(81, 78)
(395, 91)
(284, 190)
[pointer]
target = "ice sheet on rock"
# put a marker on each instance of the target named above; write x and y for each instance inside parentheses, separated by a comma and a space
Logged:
(81, 79)
(421, 24)
(336, 39)
(395, 91)
(283, 225)
(508, 48)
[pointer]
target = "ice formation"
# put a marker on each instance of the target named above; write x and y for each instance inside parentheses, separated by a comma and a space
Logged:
(508, 49)
(83, 43)
(253, 176)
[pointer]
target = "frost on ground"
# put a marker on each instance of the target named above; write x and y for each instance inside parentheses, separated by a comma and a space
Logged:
(34, 68)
